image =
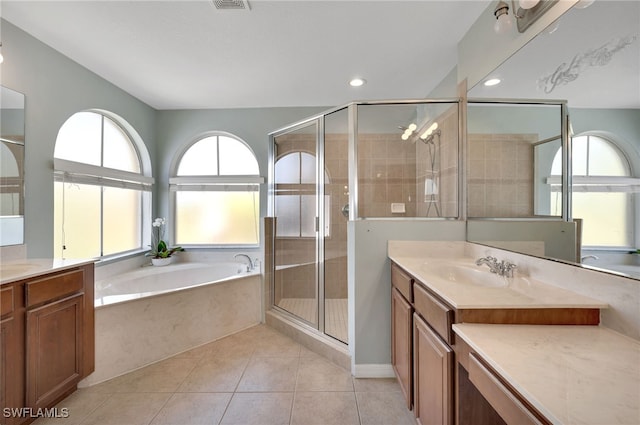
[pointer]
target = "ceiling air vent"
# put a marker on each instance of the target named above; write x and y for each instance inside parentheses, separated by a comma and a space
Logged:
(231, 4)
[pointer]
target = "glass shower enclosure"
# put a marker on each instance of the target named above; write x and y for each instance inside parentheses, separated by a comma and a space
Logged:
(388, 159)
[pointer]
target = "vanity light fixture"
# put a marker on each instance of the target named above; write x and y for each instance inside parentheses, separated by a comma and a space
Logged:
(529, 11)
(357, 82)
(425, 133)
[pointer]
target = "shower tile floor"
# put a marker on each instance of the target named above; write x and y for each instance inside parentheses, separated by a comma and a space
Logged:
(335, 311)
(258, 376)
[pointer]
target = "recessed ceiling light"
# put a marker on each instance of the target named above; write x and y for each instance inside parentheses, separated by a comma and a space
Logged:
(357, 82)
(492, 82)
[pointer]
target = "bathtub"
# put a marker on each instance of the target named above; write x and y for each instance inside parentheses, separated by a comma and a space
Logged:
(148, 281)
(150, 313)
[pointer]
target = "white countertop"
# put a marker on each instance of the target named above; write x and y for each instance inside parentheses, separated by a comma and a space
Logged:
(521, 292)
(571, 374)
(11, 271)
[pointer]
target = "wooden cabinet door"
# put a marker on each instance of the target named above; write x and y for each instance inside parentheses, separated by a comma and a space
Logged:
(11, 354)
(54, 350)
(433, 371)
(401, 341)
(6, 395)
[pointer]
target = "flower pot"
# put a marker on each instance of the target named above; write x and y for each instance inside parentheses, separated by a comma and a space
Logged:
(161, 261)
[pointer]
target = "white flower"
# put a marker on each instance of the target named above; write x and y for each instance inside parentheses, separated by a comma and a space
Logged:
(158, 222)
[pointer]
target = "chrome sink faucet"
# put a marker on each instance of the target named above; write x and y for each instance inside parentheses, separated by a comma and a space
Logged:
(250, 266)
(490, 261)
(502, 268)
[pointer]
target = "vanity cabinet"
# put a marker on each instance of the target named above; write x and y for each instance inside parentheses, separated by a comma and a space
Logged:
(401, 331)
(488, 399)
(421, 356)
(433, 374)
(432, 366)
(47, 339)
(11, 351)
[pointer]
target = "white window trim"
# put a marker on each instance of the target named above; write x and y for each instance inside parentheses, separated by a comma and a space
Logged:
(81, 173)
(620, 184)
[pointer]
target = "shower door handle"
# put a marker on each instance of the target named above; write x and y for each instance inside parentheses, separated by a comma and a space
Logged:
(317, 224)
(345, 210)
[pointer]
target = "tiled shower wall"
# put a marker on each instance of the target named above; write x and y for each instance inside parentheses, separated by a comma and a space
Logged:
(392, 170)
(500, 179)
(445, 170)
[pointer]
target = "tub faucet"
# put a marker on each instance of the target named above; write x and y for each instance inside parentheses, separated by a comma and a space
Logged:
(250, 266)
(586, 257)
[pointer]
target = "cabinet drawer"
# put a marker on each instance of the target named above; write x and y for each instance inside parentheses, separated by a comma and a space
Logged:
(437, 314)
(508, 406)
(402, 281)
(54, 287)
(6, 301)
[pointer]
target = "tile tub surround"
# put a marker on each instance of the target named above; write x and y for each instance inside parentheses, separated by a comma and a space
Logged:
(571, 374)
(257, 376)
(620, 293)
(137, 333)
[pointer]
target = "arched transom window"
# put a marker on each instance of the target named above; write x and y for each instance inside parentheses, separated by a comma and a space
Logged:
(216, 193)
(101, 192)
(602, 192)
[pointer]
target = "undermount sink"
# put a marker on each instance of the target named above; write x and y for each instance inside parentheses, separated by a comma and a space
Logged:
(464, 274)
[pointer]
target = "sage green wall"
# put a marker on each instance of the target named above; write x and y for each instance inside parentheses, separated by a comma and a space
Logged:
(55, 87)
(178, 128)
(370, 285)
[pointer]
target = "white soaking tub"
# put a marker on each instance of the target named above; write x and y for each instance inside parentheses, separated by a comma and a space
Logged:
(151, 313)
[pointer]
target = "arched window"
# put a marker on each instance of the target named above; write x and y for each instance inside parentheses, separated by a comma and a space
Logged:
(295, 203)
(102, 187)
(602, 191)
(216, 191)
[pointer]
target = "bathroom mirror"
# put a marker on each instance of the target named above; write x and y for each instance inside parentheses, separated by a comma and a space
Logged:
(589, 57)
(11, 167)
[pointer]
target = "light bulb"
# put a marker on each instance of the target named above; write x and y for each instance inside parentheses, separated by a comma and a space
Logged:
(528, 4)
(1, 58)
(404, 136)
(357, 82)
(412, 127)
(433, 126)
(492, 82)
(503, 24)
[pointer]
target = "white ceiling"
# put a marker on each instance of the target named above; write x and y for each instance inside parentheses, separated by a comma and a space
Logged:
(187, 54)
(596, 50)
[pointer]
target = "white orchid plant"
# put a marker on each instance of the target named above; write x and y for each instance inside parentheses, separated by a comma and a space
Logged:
(159, 248)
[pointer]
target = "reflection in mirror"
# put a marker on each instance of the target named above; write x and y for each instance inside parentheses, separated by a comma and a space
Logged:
(590, 58)
(11, 167)
(511, 152)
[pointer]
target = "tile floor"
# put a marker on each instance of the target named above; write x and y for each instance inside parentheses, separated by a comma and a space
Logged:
(258, 376)
(335, 310)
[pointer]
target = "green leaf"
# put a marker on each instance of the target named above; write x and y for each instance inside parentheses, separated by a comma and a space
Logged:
(162, 246)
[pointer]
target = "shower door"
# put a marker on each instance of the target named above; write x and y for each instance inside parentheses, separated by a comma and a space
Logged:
(309, 192)
(295, 191)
